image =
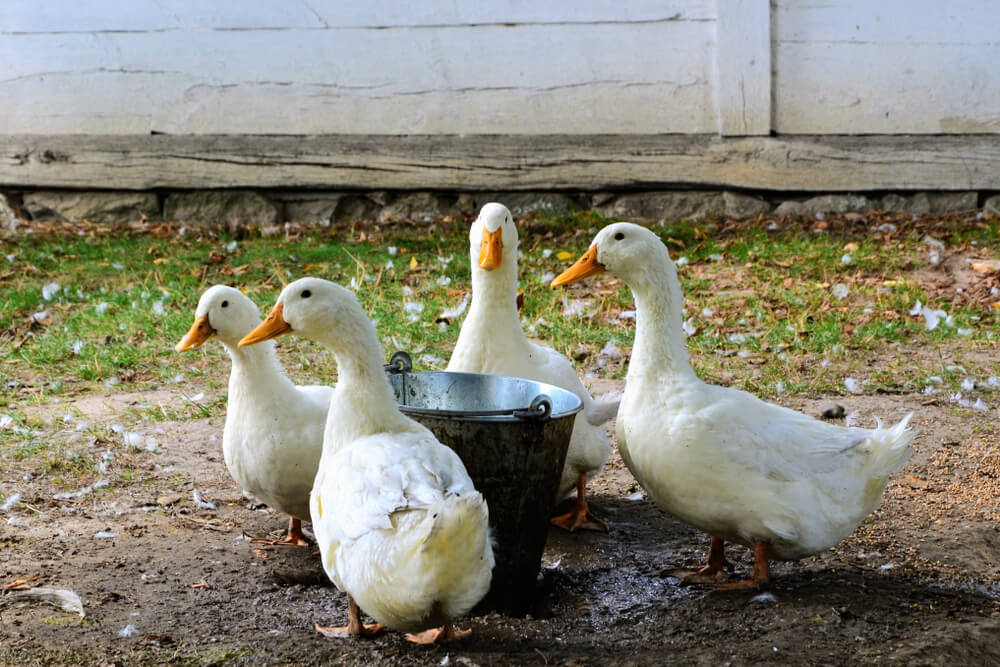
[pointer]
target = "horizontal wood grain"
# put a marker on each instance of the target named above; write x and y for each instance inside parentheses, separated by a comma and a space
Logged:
(502, 162)
(522, 79)
(63, 16)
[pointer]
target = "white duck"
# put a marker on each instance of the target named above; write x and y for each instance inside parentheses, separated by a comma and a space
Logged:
(491, 341)
(401, 528)
(273, 436)
(721, 459)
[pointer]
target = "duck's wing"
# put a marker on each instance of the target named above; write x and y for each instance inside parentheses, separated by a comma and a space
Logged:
(558, 370)
(381, 474)
(555, 369)
(604, 408)
(781, 443)
(315, 389)
(316, 393)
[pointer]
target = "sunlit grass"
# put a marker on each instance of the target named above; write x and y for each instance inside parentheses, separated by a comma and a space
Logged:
(762, 304)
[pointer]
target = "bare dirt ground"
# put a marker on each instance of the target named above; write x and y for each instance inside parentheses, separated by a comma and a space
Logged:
(163, 580)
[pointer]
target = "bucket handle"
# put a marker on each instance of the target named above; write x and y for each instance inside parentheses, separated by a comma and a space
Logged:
(399, 362)
(540, 408)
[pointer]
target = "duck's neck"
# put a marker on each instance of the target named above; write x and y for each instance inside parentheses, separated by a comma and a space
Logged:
(256, 366)
(494, 303)
(363, 403)
(659, 352)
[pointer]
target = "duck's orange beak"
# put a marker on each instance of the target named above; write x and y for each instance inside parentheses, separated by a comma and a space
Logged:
(491, 249)
(274, 325)
(196, 336)
(584, 267)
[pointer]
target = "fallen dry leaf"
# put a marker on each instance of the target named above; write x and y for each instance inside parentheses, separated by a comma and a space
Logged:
(235, 270)
(155, 640)
(23, 583)
(170, 499)
(915, 482)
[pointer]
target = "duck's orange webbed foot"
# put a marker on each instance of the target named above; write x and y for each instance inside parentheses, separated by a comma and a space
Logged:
(713, 574)
(354, 628)
(446, 633)
(295, 537)
(345, 632)
(580, 515)
(760, 575)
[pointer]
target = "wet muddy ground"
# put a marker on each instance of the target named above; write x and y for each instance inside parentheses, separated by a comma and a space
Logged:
(163, 580)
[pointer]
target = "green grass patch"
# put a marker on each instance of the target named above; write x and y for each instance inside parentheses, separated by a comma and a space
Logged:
(765, 306)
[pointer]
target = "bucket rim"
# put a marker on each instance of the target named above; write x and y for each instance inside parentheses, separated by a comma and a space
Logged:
(543, 388)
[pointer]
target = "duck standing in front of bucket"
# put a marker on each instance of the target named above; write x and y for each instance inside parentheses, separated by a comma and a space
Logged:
(718, 458)
(400, 526)
(491, 341)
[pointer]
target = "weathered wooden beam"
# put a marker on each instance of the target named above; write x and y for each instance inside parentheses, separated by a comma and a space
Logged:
(502, 162)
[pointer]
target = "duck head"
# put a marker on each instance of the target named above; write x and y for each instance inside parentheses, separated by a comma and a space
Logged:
(313, 308)
(623, 249)
(493, 238)
(222, 311)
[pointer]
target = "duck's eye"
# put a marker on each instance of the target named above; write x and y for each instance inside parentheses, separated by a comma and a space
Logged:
(225, 304)
(619, 236)
(306, 294)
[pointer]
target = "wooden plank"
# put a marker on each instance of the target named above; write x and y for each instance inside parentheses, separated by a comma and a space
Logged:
(893, 67)
(448, 12)
(493, 162)
(636, 78)
(848, 88)
(743, 59)
(95, 16)
(901, 21)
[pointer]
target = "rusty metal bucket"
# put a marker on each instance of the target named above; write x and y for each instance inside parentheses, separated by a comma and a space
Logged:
(512, 435)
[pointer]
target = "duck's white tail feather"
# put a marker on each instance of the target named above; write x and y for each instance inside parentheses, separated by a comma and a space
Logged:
(889, 448)
(458, 525)
(604, 408)
(456, 556)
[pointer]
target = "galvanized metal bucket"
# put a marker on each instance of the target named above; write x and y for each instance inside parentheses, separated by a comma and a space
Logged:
(512, 434)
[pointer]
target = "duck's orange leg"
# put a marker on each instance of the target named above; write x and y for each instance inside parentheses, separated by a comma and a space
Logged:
(716, 559)
(761, 573)
(354, 628)
(295, 537)
(713, 573)
(580, 515)
(444, 634)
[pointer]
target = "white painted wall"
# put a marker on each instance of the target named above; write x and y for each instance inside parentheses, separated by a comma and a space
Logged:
(499, 67)
(280, 66)
(886, 66)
